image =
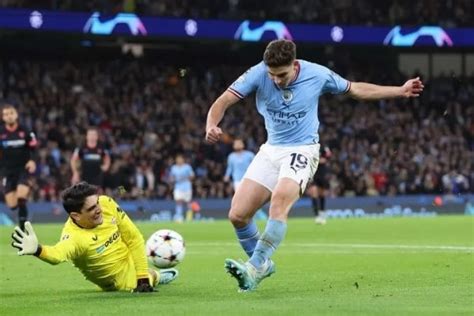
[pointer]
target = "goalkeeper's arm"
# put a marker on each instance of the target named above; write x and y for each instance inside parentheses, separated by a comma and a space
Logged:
(27, 244)
(26, 241)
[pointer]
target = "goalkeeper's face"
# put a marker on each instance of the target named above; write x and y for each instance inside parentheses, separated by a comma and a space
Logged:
(90, 215)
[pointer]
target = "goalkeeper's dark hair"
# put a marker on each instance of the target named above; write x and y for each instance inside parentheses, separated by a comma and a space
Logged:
(74, 197)
(279, 53)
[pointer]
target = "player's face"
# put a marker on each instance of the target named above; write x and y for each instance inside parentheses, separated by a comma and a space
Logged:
(92, 136)
(282, 75)
(238, 145)
(10, 116)
(91, 213)
(179, 160)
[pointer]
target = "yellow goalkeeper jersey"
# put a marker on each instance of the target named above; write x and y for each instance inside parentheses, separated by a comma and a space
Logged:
(111, 255)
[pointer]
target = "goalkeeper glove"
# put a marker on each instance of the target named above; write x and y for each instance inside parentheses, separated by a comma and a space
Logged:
(25, 241)
(143, 285)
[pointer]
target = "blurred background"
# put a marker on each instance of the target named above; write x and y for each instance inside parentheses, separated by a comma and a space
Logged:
(146, 72)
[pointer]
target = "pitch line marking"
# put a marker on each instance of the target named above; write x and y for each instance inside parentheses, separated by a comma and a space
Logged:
(360, 246)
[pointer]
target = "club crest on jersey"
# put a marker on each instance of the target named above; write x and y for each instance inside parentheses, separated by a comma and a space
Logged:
(287, 95)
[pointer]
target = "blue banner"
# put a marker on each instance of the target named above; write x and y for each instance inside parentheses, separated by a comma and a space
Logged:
(341, 207)
(129, 24)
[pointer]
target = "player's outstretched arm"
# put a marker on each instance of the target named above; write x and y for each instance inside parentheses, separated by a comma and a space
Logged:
(136, 245)
(368, 91)
(25, 241)
(215, 115)
(27, 244)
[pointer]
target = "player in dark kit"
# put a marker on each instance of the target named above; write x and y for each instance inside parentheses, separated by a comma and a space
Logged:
(320, 186)
(95, 160)
(17, 164)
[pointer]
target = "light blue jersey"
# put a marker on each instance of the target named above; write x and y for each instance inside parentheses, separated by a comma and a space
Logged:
(181, 175)
(290, 114)
(237, 164)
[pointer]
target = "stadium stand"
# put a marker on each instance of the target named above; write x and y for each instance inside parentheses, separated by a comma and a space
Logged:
(149, 111)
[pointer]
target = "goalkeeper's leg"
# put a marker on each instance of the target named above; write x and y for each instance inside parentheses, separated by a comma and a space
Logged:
(162, 276)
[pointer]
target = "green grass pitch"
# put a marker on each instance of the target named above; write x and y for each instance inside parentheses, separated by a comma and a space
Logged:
(394, 266)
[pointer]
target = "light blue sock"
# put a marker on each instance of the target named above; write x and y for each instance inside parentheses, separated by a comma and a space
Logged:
(178, 212)
(271, 238)
(248, 237)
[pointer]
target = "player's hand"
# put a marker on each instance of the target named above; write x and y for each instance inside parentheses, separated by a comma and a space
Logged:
(213, 134)
(30, 166)
(412, 88)
(143, 286)
(25, 241)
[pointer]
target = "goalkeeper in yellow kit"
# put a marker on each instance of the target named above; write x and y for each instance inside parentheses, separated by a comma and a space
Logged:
(100, 240)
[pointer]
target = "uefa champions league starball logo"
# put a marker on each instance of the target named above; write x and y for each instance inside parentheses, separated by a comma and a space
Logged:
(36, 19)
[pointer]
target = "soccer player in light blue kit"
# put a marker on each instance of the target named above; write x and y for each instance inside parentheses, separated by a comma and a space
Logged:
(237, 163)
(181, 174)
(287, 93)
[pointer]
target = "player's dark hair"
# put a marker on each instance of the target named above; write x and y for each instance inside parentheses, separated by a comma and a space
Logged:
(74, 197)
(7, 105)
(279, 53)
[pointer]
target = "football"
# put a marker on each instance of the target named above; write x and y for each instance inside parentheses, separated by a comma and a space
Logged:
(165, 248)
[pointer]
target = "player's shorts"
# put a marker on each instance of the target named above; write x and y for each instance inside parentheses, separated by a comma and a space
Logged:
(127, 278)
(96, 179)
(320, 178)
(273, 163)
(185, 196)
(321, 182)
(11, 180)
(236, 184)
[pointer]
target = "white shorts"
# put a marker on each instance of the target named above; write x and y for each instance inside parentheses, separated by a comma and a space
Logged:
(236, 184)
(275, 162)
(185, 196)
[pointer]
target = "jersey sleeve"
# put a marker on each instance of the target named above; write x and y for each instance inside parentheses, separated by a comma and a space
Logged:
(172, 174)
(105, 153)
(134, 240)
(190, 171)
(32, 143)
(248, 82)
(31, 140)
(77, 152)
(68, 248)
(334, 83)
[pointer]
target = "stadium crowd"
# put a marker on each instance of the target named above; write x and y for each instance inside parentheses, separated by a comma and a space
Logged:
(147, 112)
(448, 13)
